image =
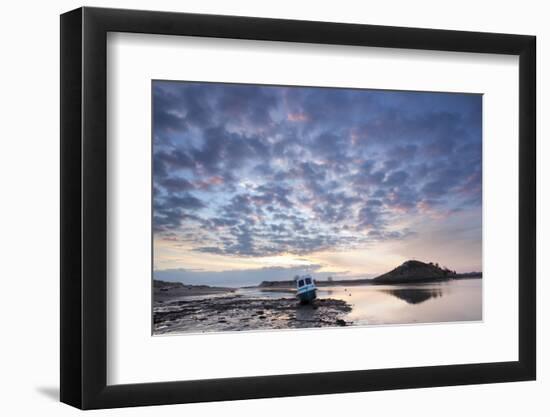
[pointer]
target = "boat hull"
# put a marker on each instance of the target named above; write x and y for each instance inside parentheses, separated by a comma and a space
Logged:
(307, 296)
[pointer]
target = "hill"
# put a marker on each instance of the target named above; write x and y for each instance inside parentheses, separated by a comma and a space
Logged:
(159, 284)
(415, 271)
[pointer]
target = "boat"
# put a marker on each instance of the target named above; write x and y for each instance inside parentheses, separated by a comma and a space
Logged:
(306, 291)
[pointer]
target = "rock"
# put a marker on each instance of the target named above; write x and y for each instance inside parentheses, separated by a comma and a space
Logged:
(215, 314)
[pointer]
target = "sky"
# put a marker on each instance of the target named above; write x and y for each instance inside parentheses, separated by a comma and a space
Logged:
(254, 182)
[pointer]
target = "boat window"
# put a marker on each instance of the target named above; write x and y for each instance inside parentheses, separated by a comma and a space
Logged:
(308, 281)
(301, 283)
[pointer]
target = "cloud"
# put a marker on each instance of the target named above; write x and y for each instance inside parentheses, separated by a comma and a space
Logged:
(396, 178)
(244, 170)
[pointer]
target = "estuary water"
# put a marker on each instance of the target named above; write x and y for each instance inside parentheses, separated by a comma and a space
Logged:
(457, 300)
(245, 309)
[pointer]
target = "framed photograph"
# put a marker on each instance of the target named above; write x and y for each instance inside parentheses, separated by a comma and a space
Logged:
(257, 208)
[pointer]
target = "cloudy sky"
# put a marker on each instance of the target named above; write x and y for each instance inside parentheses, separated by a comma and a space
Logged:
(261, 182)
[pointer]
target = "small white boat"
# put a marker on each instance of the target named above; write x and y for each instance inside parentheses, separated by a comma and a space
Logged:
(306, 291)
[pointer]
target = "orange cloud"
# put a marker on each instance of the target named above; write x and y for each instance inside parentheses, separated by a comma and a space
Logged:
(297, 117)
(214, 180)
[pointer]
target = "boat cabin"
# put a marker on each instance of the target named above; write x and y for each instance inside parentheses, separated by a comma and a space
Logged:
(306, 291)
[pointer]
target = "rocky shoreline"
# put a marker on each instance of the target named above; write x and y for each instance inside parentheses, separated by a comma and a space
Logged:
(168, 291)
(233, 312)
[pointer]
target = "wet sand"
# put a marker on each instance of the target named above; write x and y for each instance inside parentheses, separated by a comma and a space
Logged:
(230, 312)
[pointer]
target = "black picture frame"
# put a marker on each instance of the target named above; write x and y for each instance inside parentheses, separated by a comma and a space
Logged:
(84, 207)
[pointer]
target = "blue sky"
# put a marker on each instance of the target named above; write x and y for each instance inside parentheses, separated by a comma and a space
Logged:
(269, 181)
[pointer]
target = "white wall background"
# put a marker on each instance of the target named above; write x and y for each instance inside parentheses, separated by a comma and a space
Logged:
(29, 237)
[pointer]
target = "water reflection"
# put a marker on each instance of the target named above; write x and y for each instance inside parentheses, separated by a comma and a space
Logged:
(414, 295)
(457, 300)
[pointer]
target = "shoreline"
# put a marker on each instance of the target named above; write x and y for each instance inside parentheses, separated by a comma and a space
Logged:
(267, 285)
(165, 291)
(171, 290)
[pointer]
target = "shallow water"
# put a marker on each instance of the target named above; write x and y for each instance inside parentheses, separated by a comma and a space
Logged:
(261, 309)
(459, 300)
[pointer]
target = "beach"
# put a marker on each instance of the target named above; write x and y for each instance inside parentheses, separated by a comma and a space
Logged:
(237, 312)
(185, 309)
